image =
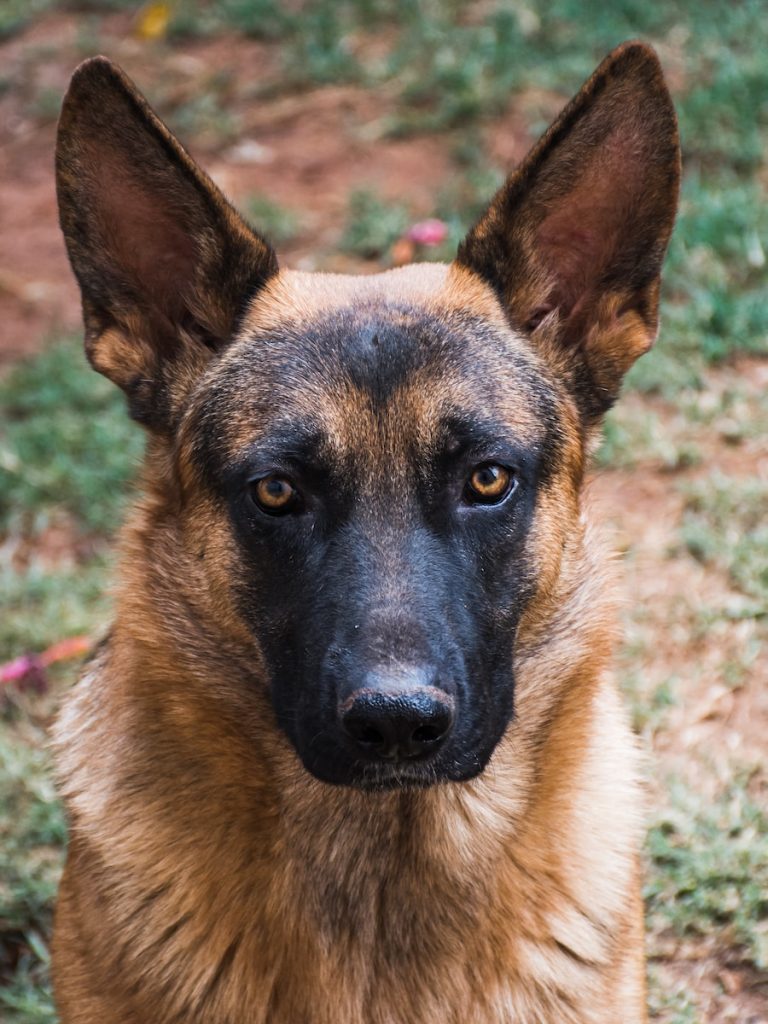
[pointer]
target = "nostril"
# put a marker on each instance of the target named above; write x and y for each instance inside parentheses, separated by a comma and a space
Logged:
(427, 734)
(367, 734)
(366, 729)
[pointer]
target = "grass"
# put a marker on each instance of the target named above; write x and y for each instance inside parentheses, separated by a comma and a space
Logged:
(710, 870)
(714, 284)
(707, 855)
(676, 434)
(32, 836)
(674, 1007)
(67, 449)
(278, 223)
(206, 116)
(16, 14)
(42, 603)
(725, 525)
(372, 225)
(67, 455)
(635, 435)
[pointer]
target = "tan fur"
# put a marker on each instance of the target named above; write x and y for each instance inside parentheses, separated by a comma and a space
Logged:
(435, 287)
(211, 879)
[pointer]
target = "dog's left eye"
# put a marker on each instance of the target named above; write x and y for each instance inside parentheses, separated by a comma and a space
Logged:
(489, 484)
(275, 494)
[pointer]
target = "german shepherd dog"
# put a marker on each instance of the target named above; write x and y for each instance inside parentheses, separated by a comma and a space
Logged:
(350, 753)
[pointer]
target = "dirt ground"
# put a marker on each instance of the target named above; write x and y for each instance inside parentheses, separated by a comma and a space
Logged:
(307, 151)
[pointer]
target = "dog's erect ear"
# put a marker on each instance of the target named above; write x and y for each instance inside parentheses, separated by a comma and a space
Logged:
(573, 242)
(164, 263)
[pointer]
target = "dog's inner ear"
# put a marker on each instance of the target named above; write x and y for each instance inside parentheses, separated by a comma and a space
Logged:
(573, 242)
(165, 264)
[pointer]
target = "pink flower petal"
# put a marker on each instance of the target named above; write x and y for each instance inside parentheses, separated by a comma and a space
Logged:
(15, 670)
(428, 232)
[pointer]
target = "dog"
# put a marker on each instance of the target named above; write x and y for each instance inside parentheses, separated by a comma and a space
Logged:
(351, 752)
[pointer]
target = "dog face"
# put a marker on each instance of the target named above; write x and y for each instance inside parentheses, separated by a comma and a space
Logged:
(378, 476)
(381, 496)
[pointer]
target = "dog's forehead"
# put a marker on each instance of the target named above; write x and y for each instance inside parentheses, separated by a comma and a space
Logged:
(435, 287)
(359, 360)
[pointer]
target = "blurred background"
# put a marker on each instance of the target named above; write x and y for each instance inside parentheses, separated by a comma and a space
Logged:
(339, 127)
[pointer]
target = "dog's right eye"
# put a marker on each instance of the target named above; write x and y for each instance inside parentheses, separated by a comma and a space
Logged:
(489, 484)
(275, 494)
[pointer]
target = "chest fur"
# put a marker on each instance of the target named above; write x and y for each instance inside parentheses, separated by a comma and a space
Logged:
(508, 899)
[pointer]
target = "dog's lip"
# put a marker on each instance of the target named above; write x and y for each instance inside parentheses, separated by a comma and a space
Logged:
(394, 776)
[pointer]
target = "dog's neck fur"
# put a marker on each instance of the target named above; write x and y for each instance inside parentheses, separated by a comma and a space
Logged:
(384, 886)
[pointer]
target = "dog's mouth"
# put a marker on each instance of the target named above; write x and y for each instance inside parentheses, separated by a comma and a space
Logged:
(400, 775)
(385, 777)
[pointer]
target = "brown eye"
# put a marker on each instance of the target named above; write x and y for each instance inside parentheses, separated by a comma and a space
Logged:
(275, 494)
(489, 484)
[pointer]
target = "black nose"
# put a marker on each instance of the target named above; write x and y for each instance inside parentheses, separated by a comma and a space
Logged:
(396, 717)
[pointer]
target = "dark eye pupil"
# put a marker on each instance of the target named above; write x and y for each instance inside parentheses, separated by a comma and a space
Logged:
(487, 476)
(275, 487)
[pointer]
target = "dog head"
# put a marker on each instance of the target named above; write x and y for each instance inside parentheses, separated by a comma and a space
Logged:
(378, 477)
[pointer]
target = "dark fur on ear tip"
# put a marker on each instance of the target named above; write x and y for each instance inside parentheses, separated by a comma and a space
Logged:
(96, 68)
(94, 83)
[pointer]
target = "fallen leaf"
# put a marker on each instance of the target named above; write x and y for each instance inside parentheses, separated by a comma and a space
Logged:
(152, 21)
